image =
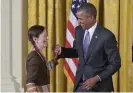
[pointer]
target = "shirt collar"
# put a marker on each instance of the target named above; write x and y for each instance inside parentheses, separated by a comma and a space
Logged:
(92, 29)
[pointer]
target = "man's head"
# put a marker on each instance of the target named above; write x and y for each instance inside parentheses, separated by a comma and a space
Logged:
(86, 15)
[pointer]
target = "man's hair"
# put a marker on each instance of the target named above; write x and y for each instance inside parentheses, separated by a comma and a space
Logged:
(88, 8)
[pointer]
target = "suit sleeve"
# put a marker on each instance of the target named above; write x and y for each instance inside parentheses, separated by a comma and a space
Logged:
(113, 57)
(32, 69)
(69, 52)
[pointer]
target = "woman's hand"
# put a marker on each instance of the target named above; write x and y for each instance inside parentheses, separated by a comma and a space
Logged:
(31, 87)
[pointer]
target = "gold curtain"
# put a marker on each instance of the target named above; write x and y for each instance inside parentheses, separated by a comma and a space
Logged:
(116, 15)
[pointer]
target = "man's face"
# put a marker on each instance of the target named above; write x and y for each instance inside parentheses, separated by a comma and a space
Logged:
(85, 20)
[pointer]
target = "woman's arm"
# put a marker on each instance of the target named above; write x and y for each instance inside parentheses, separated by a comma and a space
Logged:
(52, 63)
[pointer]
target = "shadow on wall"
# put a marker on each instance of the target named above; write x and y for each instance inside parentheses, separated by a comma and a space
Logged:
(16, 84)
(101, 12)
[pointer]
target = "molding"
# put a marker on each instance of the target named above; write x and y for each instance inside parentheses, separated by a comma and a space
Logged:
(14, 44)
(19, 42)
(7, 83)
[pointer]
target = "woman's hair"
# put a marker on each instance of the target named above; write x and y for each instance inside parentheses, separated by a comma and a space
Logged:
(35, 31)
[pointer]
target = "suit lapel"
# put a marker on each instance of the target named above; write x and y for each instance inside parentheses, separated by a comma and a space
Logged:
(81, 42)
(91, 47)
(81, 34)
(93, 42)
(80, 39)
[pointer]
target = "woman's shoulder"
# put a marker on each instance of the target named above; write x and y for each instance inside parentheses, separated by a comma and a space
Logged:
(33, 56)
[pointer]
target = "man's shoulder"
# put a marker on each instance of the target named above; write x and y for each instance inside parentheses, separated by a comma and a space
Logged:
(105, 31)
(78, 28)
(33, 55)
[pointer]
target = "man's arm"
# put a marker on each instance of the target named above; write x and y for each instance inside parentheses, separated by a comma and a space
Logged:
(69, 52)
(113, 58)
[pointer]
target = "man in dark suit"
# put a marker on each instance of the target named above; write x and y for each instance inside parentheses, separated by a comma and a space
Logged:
(96, 48)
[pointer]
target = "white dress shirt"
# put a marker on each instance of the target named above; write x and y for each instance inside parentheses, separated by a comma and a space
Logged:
(91, 31)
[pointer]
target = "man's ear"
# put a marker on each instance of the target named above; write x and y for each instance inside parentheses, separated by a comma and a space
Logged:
(92, 17)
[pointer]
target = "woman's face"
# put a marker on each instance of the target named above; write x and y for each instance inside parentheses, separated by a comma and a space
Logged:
(42, 40)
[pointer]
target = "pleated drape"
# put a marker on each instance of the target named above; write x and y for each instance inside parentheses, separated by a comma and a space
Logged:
(125, 32)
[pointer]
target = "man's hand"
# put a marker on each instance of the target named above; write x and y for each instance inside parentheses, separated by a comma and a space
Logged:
(90, 82)
(57, 50)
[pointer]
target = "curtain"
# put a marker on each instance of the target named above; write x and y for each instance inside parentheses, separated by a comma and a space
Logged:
(116, 15)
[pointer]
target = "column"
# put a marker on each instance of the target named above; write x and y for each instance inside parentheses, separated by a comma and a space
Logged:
(6, 48)
(19, 42)
(14, 45)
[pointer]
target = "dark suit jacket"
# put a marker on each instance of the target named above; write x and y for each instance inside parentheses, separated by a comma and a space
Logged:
(102, 59)
(37, 71)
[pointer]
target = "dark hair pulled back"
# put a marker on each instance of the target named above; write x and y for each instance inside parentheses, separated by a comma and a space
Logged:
(35, 31)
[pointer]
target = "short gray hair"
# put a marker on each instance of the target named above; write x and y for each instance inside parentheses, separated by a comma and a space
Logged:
(88, 8)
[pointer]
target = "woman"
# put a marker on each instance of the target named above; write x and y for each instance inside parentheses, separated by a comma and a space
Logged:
(37, 70)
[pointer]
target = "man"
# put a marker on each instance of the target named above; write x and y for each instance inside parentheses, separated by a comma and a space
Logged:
(96, 48)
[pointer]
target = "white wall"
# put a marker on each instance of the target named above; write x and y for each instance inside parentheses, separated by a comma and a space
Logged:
(13, 43)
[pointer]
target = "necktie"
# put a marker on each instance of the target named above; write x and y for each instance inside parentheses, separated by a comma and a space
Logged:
(85, 47)
(86, 43)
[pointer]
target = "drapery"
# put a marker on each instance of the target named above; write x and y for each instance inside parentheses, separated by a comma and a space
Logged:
(116, 15)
